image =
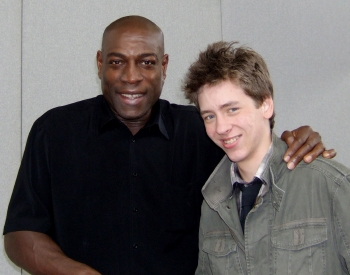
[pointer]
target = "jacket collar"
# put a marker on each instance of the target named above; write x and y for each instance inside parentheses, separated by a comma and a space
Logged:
(275, 169)
(218, 187)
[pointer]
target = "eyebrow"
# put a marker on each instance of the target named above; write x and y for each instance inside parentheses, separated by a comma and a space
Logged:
(227, 104)
(142, 55)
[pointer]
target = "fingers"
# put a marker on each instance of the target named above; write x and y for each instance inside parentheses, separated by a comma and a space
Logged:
(314, 153)
(329, 154)
(311, 155)
(287, 137)
(305, 151)
(303, 143)
(300, 144)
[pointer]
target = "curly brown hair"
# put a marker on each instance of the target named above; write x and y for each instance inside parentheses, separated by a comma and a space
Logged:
(223, 61)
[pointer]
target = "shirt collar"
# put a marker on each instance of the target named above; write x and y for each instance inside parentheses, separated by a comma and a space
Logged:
(108, 118)
(157, 119)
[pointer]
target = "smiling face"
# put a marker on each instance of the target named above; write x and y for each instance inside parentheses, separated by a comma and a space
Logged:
(235, 123)
(132, 68)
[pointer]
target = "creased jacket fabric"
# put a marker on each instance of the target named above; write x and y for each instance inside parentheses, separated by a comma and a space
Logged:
(301, 225)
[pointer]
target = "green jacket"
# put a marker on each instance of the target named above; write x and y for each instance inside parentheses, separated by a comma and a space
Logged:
(301, 225)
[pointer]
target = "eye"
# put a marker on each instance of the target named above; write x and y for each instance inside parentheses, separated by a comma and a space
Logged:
(208, 117)
(148, 62)
(232, 110)
(115, 62)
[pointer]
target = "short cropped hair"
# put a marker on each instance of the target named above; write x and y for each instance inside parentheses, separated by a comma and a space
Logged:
(223, 61)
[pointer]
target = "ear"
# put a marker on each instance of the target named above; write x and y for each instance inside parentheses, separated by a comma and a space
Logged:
(99, 61)
(268, 108)
(165, 61)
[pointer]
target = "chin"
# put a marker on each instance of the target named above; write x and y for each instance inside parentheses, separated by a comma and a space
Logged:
(235, 157)
(132, 115)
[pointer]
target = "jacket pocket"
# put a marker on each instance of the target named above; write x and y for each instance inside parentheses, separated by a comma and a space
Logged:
(299, 246)
(222, 253)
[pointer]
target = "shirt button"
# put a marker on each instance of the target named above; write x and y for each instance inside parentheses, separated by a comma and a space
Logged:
(135, 209)
(135, 246)
(133, 140)
(134, 174)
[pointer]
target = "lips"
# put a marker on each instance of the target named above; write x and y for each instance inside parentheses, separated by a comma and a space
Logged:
(231, 140)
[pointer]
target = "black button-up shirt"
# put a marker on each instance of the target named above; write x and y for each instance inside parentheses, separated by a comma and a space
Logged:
(119, 203)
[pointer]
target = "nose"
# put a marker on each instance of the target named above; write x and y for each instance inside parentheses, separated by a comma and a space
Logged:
(222, 125)
(131, 73)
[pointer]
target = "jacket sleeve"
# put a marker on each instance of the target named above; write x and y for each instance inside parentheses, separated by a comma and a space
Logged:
(203, 267)
(342, 221)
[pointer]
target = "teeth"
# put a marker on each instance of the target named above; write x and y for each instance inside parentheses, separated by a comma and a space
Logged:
(132, 96)
(229, 141)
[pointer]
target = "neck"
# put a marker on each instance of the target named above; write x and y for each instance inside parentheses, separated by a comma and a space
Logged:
(134, 126)
(248, 167)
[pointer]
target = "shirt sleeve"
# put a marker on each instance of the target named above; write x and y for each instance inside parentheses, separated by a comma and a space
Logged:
(30, 207)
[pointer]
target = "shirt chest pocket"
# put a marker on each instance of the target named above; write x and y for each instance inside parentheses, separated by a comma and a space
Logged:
(222, 253)
(298, 246)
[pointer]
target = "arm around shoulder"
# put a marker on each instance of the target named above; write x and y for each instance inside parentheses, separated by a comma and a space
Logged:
(304, 144)
(38, 254)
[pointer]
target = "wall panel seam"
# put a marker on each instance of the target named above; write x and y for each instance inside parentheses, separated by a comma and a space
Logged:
(21, 84)
(221, 27)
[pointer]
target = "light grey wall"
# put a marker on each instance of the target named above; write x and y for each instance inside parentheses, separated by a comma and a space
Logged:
(59, 42)
(10, 106)
(61, 38)
(306, 45)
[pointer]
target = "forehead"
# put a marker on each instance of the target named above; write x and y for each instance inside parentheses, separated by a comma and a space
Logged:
(221, 91)
(221, 95)
(132, 38)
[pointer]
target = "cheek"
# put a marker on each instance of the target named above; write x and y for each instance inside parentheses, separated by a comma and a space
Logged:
(155, 77)
(249, 119)
(210, 129)
(111, 75)
(106, 80)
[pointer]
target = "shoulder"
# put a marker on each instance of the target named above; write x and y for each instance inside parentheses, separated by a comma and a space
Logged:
(72, 119)
(177, 112)
(320, 167)
(166, 105)
(183, 120)
(71, 112)
(329, 168)
(184, 123)
(320, 163)
(86, 105)
(319, 171)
